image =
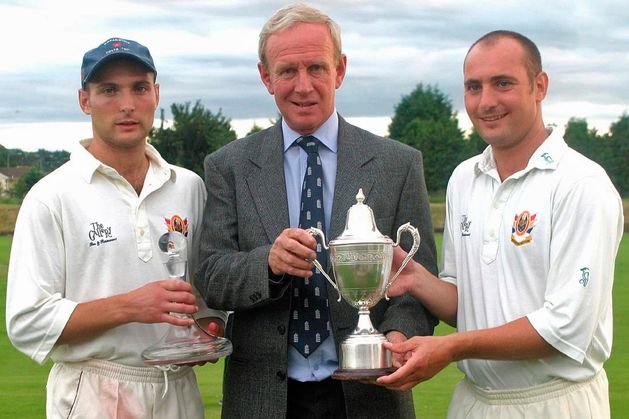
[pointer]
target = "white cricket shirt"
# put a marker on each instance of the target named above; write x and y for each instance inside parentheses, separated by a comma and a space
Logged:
(83, 233)
(540, 244)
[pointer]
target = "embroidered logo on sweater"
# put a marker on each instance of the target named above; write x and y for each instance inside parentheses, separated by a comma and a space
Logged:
(176, 223)
(99, 234)
(522, 226)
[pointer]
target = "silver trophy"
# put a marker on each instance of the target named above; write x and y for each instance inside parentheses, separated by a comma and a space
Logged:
(361, 259)
(183, 344)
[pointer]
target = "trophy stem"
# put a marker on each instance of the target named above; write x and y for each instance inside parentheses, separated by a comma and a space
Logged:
(364, 326)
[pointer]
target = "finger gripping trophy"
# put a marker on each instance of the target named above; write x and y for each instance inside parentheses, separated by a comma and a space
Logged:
(361, 260)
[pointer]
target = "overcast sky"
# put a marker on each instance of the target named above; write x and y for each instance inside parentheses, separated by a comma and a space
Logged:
(207, 50)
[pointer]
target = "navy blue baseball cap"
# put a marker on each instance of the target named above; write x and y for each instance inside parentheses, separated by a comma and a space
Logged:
(111, 49)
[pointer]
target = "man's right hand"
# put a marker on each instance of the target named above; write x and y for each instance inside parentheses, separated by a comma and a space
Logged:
(154, 302)
(408, 278)
(292, 253)
(151, 303)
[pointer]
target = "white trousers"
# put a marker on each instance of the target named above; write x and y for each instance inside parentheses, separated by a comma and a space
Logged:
(556, 399)
(102, 390)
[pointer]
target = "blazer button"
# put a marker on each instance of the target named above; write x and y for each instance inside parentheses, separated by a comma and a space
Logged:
(281, 375)
(281, 329)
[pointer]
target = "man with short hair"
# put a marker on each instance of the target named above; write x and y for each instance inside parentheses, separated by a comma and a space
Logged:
(532, 231)
(258, 262)
(84, 285)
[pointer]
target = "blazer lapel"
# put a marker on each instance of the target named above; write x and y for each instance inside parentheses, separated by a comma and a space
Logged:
(267, 185)
(356, 169)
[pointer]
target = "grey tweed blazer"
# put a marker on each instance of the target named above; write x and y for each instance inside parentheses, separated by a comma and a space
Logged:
(247, 209)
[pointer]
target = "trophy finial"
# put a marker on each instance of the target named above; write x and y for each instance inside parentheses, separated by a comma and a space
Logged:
(360, 197)
(360, 223)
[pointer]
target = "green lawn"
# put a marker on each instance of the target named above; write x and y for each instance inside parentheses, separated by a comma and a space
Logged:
(23, 382)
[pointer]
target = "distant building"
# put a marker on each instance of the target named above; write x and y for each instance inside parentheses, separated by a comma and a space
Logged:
(10, 175)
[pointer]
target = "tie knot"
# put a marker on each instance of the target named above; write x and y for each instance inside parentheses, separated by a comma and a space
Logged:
(309, 143)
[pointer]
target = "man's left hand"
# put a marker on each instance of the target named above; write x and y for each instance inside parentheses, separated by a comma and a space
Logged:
(422, 357)
(394, 336)
(214, 326)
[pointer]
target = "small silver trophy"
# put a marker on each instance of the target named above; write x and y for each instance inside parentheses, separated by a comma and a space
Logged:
(361, 259)
(183, 344)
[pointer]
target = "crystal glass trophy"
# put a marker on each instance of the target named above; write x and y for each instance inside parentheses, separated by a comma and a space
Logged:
(183, 344)
(361, 260)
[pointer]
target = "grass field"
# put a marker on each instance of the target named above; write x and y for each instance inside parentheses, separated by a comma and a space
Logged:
(23, 382)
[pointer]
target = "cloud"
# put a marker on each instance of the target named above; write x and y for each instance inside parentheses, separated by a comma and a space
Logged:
(207, 50)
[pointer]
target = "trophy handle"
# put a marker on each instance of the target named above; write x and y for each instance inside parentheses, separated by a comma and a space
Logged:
(317, 232)
(416, 240)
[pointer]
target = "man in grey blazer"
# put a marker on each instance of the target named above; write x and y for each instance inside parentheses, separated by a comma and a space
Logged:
(253, 253)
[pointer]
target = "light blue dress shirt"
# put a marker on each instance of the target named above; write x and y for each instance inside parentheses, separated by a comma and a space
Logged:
(323, 361)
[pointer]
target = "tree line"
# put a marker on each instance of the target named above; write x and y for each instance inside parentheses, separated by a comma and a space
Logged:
(424, 119)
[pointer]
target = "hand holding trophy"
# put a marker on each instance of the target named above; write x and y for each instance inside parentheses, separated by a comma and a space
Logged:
(183, 344)
(361, 260)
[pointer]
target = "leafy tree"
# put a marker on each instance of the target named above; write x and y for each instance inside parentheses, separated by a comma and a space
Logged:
(164, 140)
(586, 141)
(26, 182)
(255, 128)
(50, 160)
(442, 147)
(195, 132)
(581, 138)
(475, 143)
(619, 154)
(610, 150)
(46, 160)
(41, 162)
(426, 103)
(12, 157)
(426, 121)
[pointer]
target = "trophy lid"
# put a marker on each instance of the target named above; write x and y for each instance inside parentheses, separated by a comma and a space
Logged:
(360, 226)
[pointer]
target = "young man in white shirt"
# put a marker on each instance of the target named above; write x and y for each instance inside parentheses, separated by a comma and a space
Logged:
(532, 232)
(86, 283)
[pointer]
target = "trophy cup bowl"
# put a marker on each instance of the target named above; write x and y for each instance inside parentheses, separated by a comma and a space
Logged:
(361, 261)
(183, 344)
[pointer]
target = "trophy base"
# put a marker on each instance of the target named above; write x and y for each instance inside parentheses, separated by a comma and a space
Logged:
(187, 351)
(354, 374)
(363, 357)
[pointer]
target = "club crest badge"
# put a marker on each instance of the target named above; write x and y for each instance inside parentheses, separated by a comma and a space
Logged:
(176, 223)
(522, 226)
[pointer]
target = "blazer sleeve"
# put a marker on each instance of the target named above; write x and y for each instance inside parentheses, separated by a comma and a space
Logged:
(230, 277)
(193, 256)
